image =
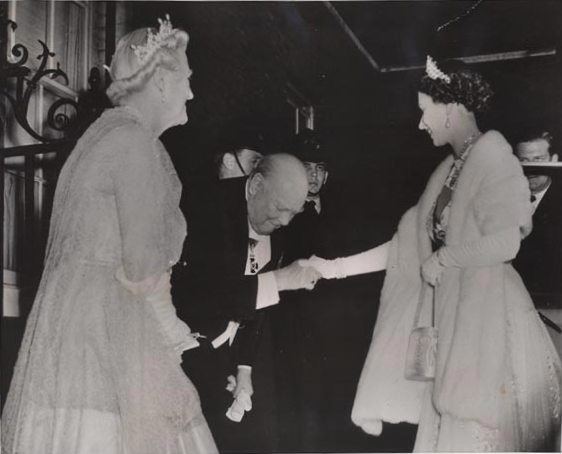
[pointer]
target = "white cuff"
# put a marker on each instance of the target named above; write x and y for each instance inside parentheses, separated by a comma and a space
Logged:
(228, 335)
(245, 367)
(268, 293)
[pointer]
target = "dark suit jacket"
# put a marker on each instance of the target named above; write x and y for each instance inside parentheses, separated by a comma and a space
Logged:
(211, 289)
(539, 261)
(310, 233)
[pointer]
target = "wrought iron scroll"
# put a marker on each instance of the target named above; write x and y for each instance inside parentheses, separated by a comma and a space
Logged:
(18, 82)
(26, 82)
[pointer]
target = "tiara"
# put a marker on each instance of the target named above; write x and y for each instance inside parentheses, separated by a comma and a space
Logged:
(154, 41)
(433, 72)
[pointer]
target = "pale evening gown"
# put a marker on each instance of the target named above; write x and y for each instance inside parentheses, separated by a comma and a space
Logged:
(498, 376)
(97, 370)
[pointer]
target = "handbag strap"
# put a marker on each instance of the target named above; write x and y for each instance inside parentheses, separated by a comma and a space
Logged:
(425, 285)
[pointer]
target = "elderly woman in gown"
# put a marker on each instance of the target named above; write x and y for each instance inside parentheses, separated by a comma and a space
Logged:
(99, 367)
(497, 378)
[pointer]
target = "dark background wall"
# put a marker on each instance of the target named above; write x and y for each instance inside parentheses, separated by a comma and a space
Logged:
(244, 55)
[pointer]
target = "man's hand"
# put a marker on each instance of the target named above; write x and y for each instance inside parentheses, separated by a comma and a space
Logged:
(295, 277)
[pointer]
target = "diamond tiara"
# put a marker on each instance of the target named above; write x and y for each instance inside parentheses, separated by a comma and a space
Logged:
(154, 41)
(433, 72)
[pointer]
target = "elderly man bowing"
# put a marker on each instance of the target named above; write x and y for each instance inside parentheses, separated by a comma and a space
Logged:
(230, 273)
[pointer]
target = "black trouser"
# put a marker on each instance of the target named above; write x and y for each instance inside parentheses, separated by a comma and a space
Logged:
(208, 369)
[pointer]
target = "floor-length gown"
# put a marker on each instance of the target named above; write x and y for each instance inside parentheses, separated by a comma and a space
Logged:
(497, 383)
(98, 370)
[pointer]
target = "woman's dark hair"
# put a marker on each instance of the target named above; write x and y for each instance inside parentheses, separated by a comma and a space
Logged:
(466, 87)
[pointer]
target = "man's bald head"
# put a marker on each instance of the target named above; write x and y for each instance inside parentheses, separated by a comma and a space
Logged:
(277, 191)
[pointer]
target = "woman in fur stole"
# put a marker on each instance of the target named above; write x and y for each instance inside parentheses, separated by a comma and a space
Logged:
(497, 374)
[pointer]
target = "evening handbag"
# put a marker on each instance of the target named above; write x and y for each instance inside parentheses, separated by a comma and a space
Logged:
(422, 345)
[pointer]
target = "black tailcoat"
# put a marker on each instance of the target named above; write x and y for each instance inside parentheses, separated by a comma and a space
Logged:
(209, 290)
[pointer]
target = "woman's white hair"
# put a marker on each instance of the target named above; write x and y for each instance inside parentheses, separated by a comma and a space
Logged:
(129, 74)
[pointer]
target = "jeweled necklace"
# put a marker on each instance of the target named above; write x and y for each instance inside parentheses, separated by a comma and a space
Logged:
(468, 142)
(458, 163)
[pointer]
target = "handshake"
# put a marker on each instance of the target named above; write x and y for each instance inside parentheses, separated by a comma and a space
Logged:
(304, 273)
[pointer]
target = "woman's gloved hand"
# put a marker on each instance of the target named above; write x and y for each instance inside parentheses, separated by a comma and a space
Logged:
(328, 269)
(432, 269)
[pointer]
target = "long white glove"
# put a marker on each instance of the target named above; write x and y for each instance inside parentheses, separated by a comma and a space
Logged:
(158, 295)
(489, 250)
(365, 262)
(139, 288)
(177, 331)
(328, 269)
